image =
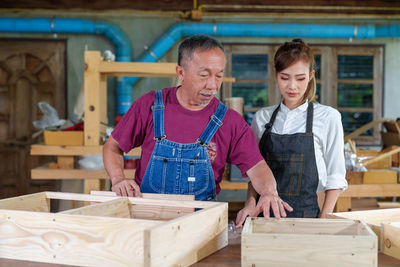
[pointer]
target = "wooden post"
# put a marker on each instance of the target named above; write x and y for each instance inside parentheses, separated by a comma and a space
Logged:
(94, 90)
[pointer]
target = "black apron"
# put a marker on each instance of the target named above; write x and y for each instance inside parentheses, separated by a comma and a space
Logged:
(291, 158)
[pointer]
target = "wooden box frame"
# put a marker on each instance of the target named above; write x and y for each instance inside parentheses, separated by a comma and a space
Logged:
(385, 223)
(308, 242)
(161, 232)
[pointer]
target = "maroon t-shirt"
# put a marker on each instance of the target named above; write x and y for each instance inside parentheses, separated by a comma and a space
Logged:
(234, 142)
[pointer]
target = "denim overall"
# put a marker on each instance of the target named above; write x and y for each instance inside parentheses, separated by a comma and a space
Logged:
(176, 168)
(291, 158)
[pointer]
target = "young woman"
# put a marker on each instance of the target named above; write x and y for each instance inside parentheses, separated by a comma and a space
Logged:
(301, 140)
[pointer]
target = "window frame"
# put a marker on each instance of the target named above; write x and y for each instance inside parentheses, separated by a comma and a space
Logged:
(329, 77)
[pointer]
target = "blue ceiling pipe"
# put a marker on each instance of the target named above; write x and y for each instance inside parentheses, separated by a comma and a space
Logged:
(79, 26)
(179, 30)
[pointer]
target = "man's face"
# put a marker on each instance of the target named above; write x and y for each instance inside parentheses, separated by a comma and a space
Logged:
(201, 76)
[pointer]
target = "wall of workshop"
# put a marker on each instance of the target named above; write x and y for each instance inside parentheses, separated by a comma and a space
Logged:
(143, 28)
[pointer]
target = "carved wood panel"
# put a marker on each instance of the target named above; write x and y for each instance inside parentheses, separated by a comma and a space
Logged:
(30, 71)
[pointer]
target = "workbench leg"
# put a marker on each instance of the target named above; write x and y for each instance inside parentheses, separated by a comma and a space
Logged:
(343, 204)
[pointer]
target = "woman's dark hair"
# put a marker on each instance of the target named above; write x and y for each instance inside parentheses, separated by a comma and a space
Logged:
(292, 52)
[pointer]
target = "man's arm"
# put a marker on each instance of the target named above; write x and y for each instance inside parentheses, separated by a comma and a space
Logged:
(264, 184)
(114, 163)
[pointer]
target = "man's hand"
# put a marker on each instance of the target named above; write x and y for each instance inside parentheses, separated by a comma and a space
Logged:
(126, 187)
(274, 202)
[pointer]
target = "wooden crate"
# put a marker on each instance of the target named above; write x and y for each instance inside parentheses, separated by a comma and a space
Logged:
(380, 222)
(307, 242)
(116, 231)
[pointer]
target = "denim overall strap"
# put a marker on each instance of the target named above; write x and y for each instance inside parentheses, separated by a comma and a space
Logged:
(213, 124)
(158, 116)
(310, 115)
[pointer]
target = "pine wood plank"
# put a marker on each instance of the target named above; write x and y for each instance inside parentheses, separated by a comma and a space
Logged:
(315, 245)
(32, 202)
(374, 219)
(74, 150)
(167, 243)
(118, 208)
(372, 190)
(70, 239)
(391, 239)
(45, 172)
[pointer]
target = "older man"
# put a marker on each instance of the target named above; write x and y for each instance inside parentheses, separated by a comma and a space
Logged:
(187, 136)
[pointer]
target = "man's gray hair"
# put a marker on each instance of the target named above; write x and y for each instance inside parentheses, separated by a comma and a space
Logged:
(202, 42)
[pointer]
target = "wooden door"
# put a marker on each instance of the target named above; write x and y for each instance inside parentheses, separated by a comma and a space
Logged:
(30, 71)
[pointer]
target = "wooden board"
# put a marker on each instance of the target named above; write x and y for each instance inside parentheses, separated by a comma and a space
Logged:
(45, 172)
(307, 242)
(43, 150)
(93, 236)
(391, 239)
(374, 219)
(380, 177)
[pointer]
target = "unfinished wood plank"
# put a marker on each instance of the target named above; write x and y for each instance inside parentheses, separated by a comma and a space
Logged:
(380, 177)
(388, 205)
(147, 195)
(166, 244)
(91, 85)
(45, 172)
(372, 190)
(118, 208)
(132, 200)
(305, 226)
(70, 239)
(226, 185)
(74, 150)
(374, 219)
(140, 69)
(151, 212)
(32, 202)
(308, 249)
(391, 239)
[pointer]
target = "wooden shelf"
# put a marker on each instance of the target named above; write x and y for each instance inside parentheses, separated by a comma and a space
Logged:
(372, 190)
(228, 185)
(44, 172)
(44, 150)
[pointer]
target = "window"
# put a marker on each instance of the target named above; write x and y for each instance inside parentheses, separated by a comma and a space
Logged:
(348, 78)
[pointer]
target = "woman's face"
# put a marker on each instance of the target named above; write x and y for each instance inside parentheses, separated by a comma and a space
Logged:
(292, 83)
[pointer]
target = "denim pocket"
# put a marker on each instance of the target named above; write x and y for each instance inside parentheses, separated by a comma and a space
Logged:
(288, 170)
(195, 176)
(161, 170)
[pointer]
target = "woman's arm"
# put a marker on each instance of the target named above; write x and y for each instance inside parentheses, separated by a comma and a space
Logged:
(331, 197)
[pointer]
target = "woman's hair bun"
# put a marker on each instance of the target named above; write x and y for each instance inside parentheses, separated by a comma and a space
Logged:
(298, 40)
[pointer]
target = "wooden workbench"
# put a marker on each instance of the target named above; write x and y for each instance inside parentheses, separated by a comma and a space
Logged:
(229, 256)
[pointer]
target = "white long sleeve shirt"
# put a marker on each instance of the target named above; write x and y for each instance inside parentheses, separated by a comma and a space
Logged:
(328, 138)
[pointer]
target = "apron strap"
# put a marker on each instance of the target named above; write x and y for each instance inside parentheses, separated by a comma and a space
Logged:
(213, 124)
(268, 126)
(158, 116)
(310, 115)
